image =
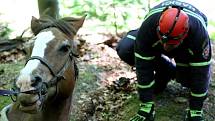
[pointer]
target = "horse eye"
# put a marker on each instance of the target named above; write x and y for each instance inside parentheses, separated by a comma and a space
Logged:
(65, 48)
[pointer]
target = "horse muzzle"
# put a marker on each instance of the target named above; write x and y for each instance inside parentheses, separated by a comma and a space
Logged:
(29, 103)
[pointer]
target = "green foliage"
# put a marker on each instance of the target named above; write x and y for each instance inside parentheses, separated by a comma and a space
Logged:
(4, 31)
(212, 34)
(211, 23)
(115, 14)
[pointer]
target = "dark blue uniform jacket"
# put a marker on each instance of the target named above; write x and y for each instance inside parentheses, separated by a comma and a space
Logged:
(192, 57)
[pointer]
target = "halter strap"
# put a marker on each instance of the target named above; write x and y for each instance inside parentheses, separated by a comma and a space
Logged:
(43, 61)
(56, 76)
(42, 89)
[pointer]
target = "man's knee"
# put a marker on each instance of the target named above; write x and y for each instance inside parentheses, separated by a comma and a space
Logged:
(125, 47)
(126, 56)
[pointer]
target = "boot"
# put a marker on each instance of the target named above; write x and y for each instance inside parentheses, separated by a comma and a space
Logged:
(145, 113)
(194, 115)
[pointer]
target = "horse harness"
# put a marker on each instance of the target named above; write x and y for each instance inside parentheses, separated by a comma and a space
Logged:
(41, 88)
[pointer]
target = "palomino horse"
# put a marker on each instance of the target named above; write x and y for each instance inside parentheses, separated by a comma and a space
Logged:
(46, 83)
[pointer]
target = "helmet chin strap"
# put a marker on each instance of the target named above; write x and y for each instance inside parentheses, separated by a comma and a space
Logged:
(168, 48)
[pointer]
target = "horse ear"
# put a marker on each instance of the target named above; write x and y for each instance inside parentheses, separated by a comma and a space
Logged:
(75, 22)
(35, 24)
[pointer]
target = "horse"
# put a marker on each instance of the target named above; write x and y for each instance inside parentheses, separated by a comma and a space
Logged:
(47, 81)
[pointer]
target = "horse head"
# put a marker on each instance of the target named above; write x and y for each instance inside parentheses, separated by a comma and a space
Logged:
(50, 73)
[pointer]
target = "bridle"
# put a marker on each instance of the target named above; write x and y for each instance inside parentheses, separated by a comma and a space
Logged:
(56, 76)
(42, 87)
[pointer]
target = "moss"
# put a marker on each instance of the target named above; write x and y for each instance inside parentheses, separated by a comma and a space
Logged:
(4, 101)
(165, 106)
(129, 109)
(8, 73)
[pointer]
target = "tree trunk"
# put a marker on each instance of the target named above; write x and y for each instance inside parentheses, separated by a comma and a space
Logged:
(48, 7)
(149, 3)
(7, 45)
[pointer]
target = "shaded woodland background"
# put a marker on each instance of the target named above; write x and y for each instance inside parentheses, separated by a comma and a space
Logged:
(106, 89)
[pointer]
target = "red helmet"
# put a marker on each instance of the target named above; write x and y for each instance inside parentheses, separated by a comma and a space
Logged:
(173, 26)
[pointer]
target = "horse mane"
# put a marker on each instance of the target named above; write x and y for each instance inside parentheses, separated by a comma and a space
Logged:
(47, 22)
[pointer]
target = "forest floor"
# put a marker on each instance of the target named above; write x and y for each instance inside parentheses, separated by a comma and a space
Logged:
(116, 98)
(105, 90)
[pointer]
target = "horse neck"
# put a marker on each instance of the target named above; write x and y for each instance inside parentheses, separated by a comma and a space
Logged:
(59, 110)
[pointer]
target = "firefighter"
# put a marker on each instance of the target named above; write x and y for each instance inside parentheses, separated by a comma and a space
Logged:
(172, 29)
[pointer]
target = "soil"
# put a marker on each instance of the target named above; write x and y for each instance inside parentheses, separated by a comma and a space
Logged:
(111, 102)
(105, 90)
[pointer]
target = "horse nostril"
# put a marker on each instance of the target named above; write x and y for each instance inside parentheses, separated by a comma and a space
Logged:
(36, 80)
